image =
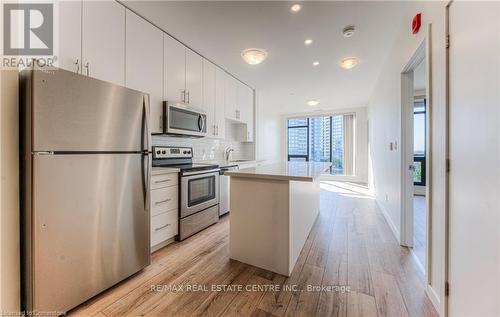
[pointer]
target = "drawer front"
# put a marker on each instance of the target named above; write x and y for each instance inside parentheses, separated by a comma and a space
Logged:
(199, 221)
(164, 199)
(164, 226)
(164, 180)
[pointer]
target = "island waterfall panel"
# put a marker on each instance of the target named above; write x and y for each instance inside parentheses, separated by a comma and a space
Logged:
(272, 215)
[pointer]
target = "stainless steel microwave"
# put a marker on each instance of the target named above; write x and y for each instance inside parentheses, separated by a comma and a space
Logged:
(184, 120)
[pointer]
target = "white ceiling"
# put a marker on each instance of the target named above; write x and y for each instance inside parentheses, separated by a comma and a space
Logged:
(287, 79)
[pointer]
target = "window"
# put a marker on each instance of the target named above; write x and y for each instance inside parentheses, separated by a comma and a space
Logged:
(419, 114)
(323, 139)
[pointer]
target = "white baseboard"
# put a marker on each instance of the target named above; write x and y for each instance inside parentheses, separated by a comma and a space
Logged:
(431, 293)
(394, 229)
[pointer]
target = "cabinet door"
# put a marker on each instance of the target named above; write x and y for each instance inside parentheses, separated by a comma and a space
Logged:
(248, 113)
(194, 79)
(70, 36)
(220, 115)
(231, 97)
(146, 74)
(245, 105)
(209, 95)
(103, 41)
(174, 61)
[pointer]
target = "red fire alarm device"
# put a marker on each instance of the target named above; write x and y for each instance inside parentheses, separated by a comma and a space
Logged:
(415, 24)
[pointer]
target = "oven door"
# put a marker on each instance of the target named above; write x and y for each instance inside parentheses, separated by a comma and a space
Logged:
(199, 191)
(186, 121)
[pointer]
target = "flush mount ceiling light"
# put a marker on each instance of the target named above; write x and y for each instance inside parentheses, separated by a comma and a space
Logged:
(348, 31)
(308, 42)
(348, 62)
(312, 103)
(295, 8)
(315, 63)
(254, 56)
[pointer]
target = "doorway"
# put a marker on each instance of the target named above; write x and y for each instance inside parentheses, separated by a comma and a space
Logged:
(415, 156)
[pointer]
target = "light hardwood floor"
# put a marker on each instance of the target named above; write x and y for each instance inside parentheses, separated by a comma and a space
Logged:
(350, 245)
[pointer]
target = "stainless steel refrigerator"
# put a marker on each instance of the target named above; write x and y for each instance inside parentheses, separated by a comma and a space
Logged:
(85, 165)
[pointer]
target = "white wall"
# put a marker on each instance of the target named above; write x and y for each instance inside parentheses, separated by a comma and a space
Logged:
(269, 133)
(9, 193)
(385, 127)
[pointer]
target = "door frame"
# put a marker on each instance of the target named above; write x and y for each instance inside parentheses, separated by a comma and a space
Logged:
(407, 188)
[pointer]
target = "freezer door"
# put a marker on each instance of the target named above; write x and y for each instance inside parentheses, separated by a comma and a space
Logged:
(91, 225)
(71, 112)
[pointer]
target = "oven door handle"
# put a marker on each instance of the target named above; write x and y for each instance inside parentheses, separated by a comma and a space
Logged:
(217, 170)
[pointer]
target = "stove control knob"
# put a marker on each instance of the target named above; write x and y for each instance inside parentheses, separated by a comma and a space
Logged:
(158, 152)
(163, 152)
(185, 152)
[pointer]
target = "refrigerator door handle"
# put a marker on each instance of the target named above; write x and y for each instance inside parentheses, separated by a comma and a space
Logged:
(146, 179)
(146, 135)
(146, 129)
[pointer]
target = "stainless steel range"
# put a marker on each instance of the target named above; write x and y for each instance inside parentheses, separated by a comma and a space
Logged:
(199, 189)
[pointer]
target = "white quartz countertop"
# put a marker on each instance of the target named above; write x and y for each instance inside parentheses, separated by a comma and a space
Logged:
(287, 171)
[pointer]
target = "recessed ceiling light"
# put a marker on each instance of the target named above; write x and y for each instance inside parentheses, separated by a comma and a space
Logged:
(313, 103)
(315, 63)
(348, 31)
(308, 42)
(348, 62)
(254, 56)
(296, 7)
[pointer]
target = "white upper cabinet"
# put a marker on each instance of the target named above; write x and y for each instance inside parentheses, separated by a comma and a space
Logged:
(245, 108)
(144, 64)
(70, 36)
(175, 70)
(209, 96)
(103, 41)
(194, 79)
(231, 98)
(246, 104)
(220, 115)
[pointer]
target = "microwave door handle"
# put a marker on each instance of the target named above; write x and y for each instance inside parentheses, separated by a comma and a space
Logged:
(200, 122)
(203, 121)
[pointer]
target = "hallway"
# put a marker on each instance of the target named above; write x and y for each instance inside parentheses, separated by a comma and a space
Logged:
(350, 245)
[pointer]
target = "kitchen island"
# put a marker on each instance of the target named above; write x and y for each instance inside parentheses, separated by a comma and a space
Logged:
(273, 208)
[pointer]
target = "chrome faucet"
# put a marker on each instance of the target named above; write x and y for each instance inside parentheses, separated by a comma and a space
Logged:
(228, 151)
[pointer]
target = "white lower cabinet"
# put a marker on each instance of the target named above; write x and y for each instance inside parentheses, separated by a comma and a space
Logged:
(163, 227)
(164, 208)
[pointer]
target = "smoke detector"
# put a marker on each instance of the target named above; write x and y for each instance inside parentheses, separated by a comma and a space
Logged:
(348, 31)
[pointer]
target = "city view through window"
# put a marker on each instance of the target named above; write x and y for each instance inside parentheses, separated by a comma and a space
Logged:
(318, 139)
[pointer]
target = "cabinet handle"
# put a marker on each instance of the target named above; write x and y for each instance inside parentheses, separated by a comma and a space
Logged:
(87, 67)
(162, 227)
(161, 122)
(217, 129)
(162, 181)
(248, 136)
(77, 63)
(183, 96)
(188, 97)
(163, 201)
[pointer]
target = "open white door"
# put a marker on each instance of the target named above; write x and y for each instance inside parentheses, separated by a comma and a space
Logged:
(474, 250)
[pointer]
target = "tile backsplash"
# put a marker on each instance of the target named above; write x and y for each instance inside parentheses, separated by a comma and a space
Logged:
(209, 149)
